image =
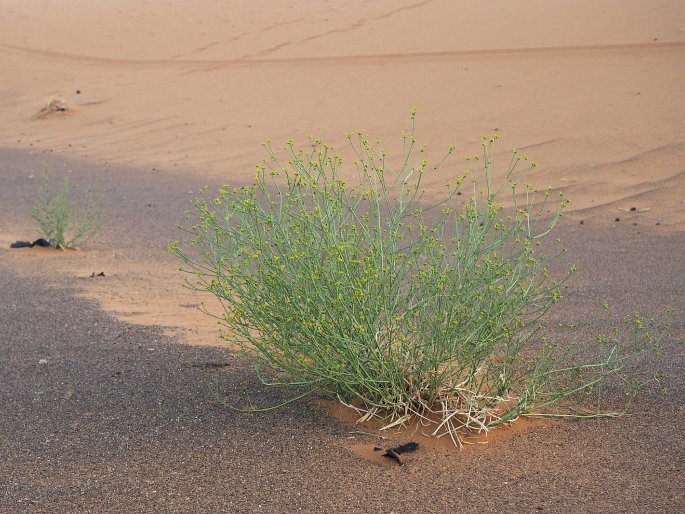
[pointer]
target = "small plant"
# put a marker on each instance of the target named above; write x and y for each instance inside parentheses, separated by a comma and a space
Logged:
(400, 307)
(54, 214)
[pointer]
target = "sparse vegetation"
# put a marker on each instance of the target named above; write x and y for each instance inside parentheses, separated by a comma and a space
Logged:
(400, 307)
(53, 211)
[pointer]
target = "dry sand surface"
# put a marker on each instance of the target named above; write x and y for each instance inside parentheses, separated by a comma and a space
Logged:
(591, 88)
(147, 101)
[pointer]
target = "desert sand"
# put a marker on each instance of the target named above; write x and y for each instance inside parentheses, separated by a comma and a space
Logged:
(591, 89)
(146, 101)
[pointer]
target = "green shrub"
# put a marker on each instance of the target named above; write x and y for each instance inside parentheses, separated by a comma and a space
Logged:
(53, 211)
(399, 307)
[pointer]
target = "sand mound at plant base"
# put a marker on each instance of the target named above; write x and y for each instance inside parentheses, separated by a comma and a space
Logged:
(52, 108)
(367, 436)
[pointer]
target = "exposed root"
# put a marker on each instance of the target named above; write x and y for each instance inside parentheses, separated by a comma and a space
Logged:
(456, 413)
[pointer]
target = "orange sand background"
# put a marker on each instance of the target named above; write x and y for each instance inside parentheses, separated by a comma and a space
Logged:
(593, 90)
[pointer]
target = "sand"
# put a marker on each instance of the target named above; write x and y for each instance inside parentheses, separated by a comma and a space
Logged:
(148, 101)
(590, 89)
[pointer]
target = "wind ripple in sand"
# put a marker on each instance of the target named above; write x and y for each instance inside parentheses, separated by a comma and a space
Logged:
(649, 186)
(371, 58)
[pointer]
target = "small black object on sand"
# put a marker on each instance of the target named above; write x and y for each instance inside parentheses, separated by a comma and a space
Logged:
(27, 244)
(396, 453)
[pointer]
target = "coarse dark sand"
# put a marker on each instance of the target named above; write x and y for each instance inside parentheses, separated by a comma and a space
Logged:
(97, 415)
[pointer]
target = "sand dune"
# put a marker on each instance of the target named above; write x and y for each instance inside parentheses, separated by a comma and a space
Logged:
(592, 90)
(194, 87)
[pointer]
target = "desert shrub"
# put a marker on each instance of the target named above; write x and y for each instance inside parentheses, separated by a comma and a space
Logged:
(402, 307)
(53, 211)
